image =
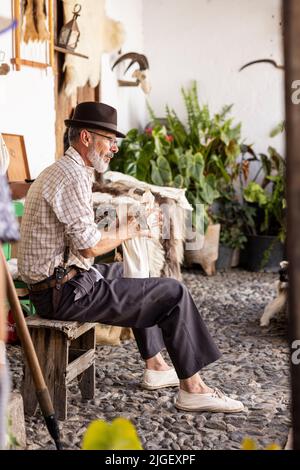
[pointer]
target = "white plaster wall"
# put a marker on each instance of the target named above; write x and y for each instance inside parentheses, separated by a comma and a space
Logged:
(27, 103)
(208, 41)
(129, 101)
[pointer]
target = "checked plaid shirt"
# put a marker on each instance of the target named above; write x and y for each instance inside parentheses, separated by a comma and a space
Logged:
(58, 211)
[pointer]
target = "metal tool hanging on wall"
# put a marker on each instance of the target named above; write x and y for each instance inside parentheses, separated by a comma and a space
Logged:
(260, 61)
(141, 74)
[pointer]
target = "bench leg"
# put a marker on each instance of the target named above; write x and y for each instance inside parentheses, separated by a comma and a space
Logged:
(86, 380)
(52, 351)
(28, 391)
(58, 382)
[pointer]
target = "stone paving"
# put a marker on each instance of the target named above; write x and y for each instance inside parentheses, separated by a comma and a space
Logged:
(254, 368)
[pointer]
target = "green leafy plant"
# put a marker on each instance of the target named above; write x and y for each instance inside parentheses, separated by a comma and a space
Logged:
(269, 197)
(234, 218)
(12, 441)
(233, 237)
(200, 155)
(120, 434)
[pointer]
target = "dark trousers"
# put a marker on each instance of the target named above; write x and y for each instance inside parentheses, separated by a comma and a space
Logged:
(160, 311)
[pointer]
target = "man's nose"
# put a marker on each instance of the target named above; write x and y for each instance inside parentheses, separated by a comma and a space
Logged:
(115, 148)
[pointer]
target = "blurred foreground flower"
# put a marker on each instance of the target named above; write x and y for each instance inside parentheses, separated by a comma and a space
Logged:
(250, 444)
(120, 434)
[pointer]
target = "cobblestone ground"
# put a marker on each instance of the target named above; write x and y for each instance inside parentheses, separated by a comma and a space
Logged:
(254, 368)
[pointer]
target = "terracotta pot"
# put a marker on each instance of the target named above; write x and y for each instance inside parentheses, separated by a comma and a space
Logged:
(209, 253)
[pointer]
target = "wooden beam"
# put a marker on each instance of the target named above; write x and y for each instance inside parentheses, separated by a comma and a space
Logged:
(80, 364)
(51, 31)
(292, 65)
(17, 36)
(29, 63)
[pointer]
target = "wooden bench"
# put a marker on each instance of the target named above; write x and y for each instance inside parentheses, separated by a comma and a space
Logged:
(65, 349)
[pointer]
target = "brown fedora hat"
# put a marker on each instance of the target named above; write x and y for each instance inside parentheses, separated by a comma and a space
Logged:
(91, 114)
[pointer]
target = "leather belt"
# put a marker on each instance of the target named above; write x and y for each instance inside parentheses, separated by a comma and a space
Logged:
(52, 282)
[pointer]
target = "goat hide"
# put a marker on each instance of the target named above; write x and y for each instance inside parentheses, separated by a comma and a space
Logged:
(165, 254)
(98, 34)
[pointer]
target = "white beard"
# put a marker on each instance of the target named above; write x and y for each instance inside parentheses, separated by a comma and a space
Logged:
(97, 161)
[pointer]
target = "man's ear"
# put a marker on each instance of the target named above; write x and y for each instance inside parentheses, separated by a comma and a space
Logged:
(84, 137)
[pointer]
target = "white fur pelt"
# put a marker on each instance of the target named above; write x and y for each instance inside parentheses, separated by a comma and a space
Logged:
(165, 254)
(98, 34)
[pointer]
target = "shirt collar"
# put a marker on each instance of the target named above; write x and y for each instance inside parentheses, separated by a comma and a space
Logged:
(76, 157)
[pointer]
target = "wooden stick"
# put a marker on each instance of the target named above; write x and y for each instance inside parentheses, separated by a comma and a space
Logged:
(17, 17)
(42, 391)
(25, 339)
(51, 31)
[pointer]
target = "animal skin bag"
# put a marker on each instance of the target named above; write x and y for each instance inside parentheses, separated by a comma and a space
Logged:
(135, 251)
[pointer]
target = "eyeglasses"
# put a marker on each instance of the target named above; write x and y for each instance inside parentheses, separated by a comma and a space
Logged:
(113, 142)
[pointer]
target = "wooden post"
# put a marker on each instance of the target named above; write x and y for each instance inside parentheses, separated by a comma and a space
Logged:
(51, 32)
(17, 34)
(292, 65)
(86, 380)
(52, 351)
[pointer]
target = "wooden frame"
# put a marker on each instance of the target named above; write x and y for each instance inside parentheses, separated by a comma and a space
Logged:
(18, 169)
(18, 61)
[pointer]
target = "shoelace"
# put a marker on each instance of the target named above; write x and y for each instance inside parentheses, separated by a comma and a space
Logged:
(219, 394)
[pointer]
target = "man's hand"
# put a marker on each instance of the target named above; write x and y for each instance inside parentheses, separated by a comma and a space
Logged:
(146, 225)
(135, 228)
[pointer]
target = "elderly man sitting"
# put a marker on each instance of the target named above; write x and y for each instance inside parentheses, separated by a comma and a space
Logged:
(58, 239)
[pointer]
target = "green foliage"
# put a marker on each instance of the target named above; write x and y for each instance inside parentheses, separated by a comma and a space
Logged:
(269, 197)
(200, 155)
(12, 441)
(234, 218)
(205, 155)
(278, 129)
(233, 237)
(118, 435)
(255, 193)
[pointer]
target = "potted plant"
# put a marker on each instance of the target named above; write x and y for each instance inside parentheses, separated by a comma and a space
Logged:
(265, 247)
(199, 156)
(233, 217)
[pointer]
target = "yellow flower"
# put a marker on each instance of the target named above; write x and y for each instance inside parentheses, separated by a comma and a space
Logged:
(273, 447)
(250, 444)
(118, 435)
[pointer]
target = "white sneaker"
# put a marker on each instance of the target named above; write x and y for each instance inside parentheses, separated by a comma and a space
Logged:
(215, 401)
(155, 379)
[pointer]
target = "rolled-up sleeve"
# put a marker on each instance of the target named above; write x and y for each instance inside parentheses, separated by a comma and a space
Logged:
(71, 205)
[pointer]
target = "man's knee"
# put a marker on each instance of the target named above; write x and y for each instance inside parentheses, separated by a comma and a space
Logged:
(176, 289)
